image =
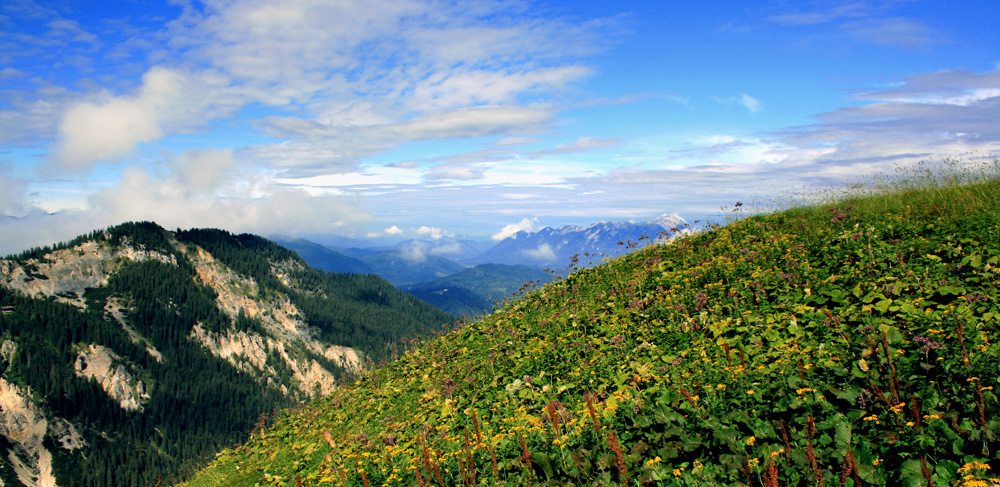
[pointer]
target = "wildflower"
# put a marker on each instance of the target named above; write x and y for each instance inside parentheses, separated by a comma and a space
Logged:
(876, 461)
(804, 390)
(751, 440)
(973, 466)
(750, 392)
(677, 472)
(721, 387)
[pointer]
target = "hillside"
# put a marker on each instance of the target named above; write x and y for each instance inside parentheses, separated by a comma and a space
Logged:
(323, 258)
(842, 344)
(130, 352)
(473, 291)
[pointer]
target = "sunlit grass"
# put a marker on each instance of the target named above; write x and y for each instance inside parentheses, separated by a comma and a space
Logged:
(851, 340)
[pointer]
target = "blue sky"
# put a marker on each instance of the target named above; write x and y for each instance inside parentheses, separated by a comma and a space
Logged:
(424, 118)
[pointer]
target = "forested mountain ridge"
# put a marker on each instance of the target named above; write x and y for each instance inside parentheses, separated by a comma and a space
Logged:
(131, 351)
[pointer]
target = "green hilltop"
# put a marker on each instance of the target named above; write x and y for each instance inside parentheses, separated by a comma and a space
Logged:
(847, 343)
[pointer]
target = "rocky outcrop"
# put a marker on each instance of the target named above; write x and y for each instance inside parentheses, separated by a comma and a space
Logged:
(238, 294)
(66, 274)
(23, 424)
(101, 364)
(250, 352)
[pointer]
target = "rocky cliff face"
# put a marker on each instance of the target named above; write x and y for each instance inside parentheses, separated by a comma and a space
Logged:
(24, 425)
(250, 351)
(66, 274)
(119, 381)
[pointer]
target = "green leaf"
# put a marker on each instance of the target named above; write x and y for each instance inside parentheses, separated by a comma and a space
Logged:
(842, 436)
(912, 474)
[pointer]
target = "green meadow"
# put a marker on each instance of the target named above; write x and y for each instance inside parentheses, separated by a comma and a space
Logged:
(847, 339)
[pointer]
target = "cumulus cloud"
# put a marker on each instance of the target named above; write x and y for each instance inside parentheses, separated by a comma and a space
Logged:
(168, 101)
(525, 225)
(201, 189)
(393, 230)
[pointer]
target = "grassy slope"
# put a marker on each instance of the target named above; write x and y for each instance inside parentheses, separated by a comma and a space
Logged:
(773, 351)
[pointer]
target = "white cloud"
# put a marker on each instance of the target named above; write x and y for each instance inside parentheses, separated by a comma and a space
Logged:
(203, 170)
(543, 252)
(525, 225)
(11, 195)
(433, 233)
(315, 148)
(393, 230)
(414, 253)
(749, 102)
(743, 99)
(582, 144)
(169, 101)
(514, 141)
(458, 172)
(492, 87)
(217, 195)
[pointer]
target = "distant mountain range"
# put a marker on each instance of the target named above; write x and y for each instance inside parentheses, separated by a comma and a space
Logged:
(556, 247)
(441, 271)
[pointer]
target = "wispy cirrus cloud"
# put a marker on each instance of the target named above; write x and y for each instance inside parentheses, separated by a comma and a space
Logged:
(746, 101)
(583, 144)
(865, 22)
